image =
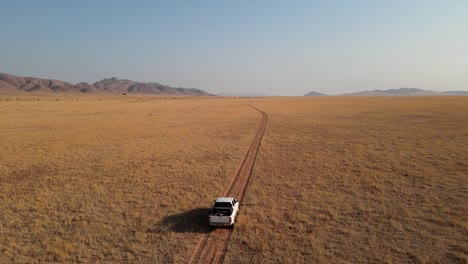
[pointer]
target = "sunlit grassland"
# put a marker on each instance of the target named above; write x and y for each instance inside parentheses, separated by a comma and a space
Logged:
(91, 179)
(339, 180)
(117, 179)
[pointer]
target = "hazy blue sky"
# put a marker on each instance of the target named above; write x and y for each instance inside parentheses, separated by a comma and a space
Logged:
(271, 47)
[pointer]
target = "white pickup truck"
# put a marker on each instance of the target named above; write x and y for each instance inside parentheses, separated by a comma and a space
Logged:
(223, 212)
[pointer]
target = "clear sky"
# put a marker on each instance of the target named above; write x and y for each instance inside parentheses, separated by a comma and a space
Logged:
(270, 47)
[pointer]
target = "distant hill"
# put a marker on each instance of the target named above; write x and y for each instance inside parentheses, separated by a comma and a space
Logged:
(10, 83)
(405, 92)
(398, 92)
(15, 84)
(315, 94)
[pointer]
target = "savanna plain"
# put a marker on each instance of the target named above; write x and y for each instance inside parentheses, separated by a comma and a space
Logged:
(112, 179)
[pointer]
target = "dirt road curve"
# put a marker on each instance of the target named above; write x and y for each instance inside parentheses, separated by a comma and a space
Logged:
(212, 247)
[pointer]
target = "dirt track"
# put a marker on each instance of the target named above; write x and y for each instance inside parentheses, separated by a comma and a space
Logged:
(212, 247)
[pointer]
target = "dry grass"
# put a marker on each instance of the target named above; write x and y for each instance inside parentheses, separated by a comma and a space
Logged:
(339, 180)
(113, 179)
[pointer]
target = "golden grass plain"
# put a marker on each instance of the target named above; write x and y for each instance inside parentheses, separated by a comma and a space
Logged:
(90, 179)
(358, 180)
(117, 179)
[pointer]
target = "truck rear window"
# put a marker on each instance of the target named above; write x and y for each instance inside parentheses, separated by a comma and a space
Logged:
(222, 205)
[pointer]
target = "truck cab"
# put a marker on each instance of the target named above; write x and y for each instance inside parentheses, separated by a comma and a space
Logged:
(223, 212)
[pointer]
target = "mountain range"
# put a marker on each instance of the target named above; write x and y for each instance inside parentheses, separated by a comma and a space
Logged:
(15, 84)
(398, 92)
(10, 84)
(314, 94)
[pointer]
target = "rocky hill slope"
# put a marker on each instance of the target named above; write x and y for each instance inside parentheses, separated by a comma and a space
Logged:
(15, 84)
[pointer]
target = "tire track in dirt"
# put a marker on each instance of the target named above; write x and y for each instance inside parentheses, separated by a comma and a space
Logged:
(212, 247)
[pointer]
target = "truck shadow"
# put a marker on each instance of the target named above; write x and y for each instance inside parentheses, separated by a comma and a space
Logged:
(192, 221)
